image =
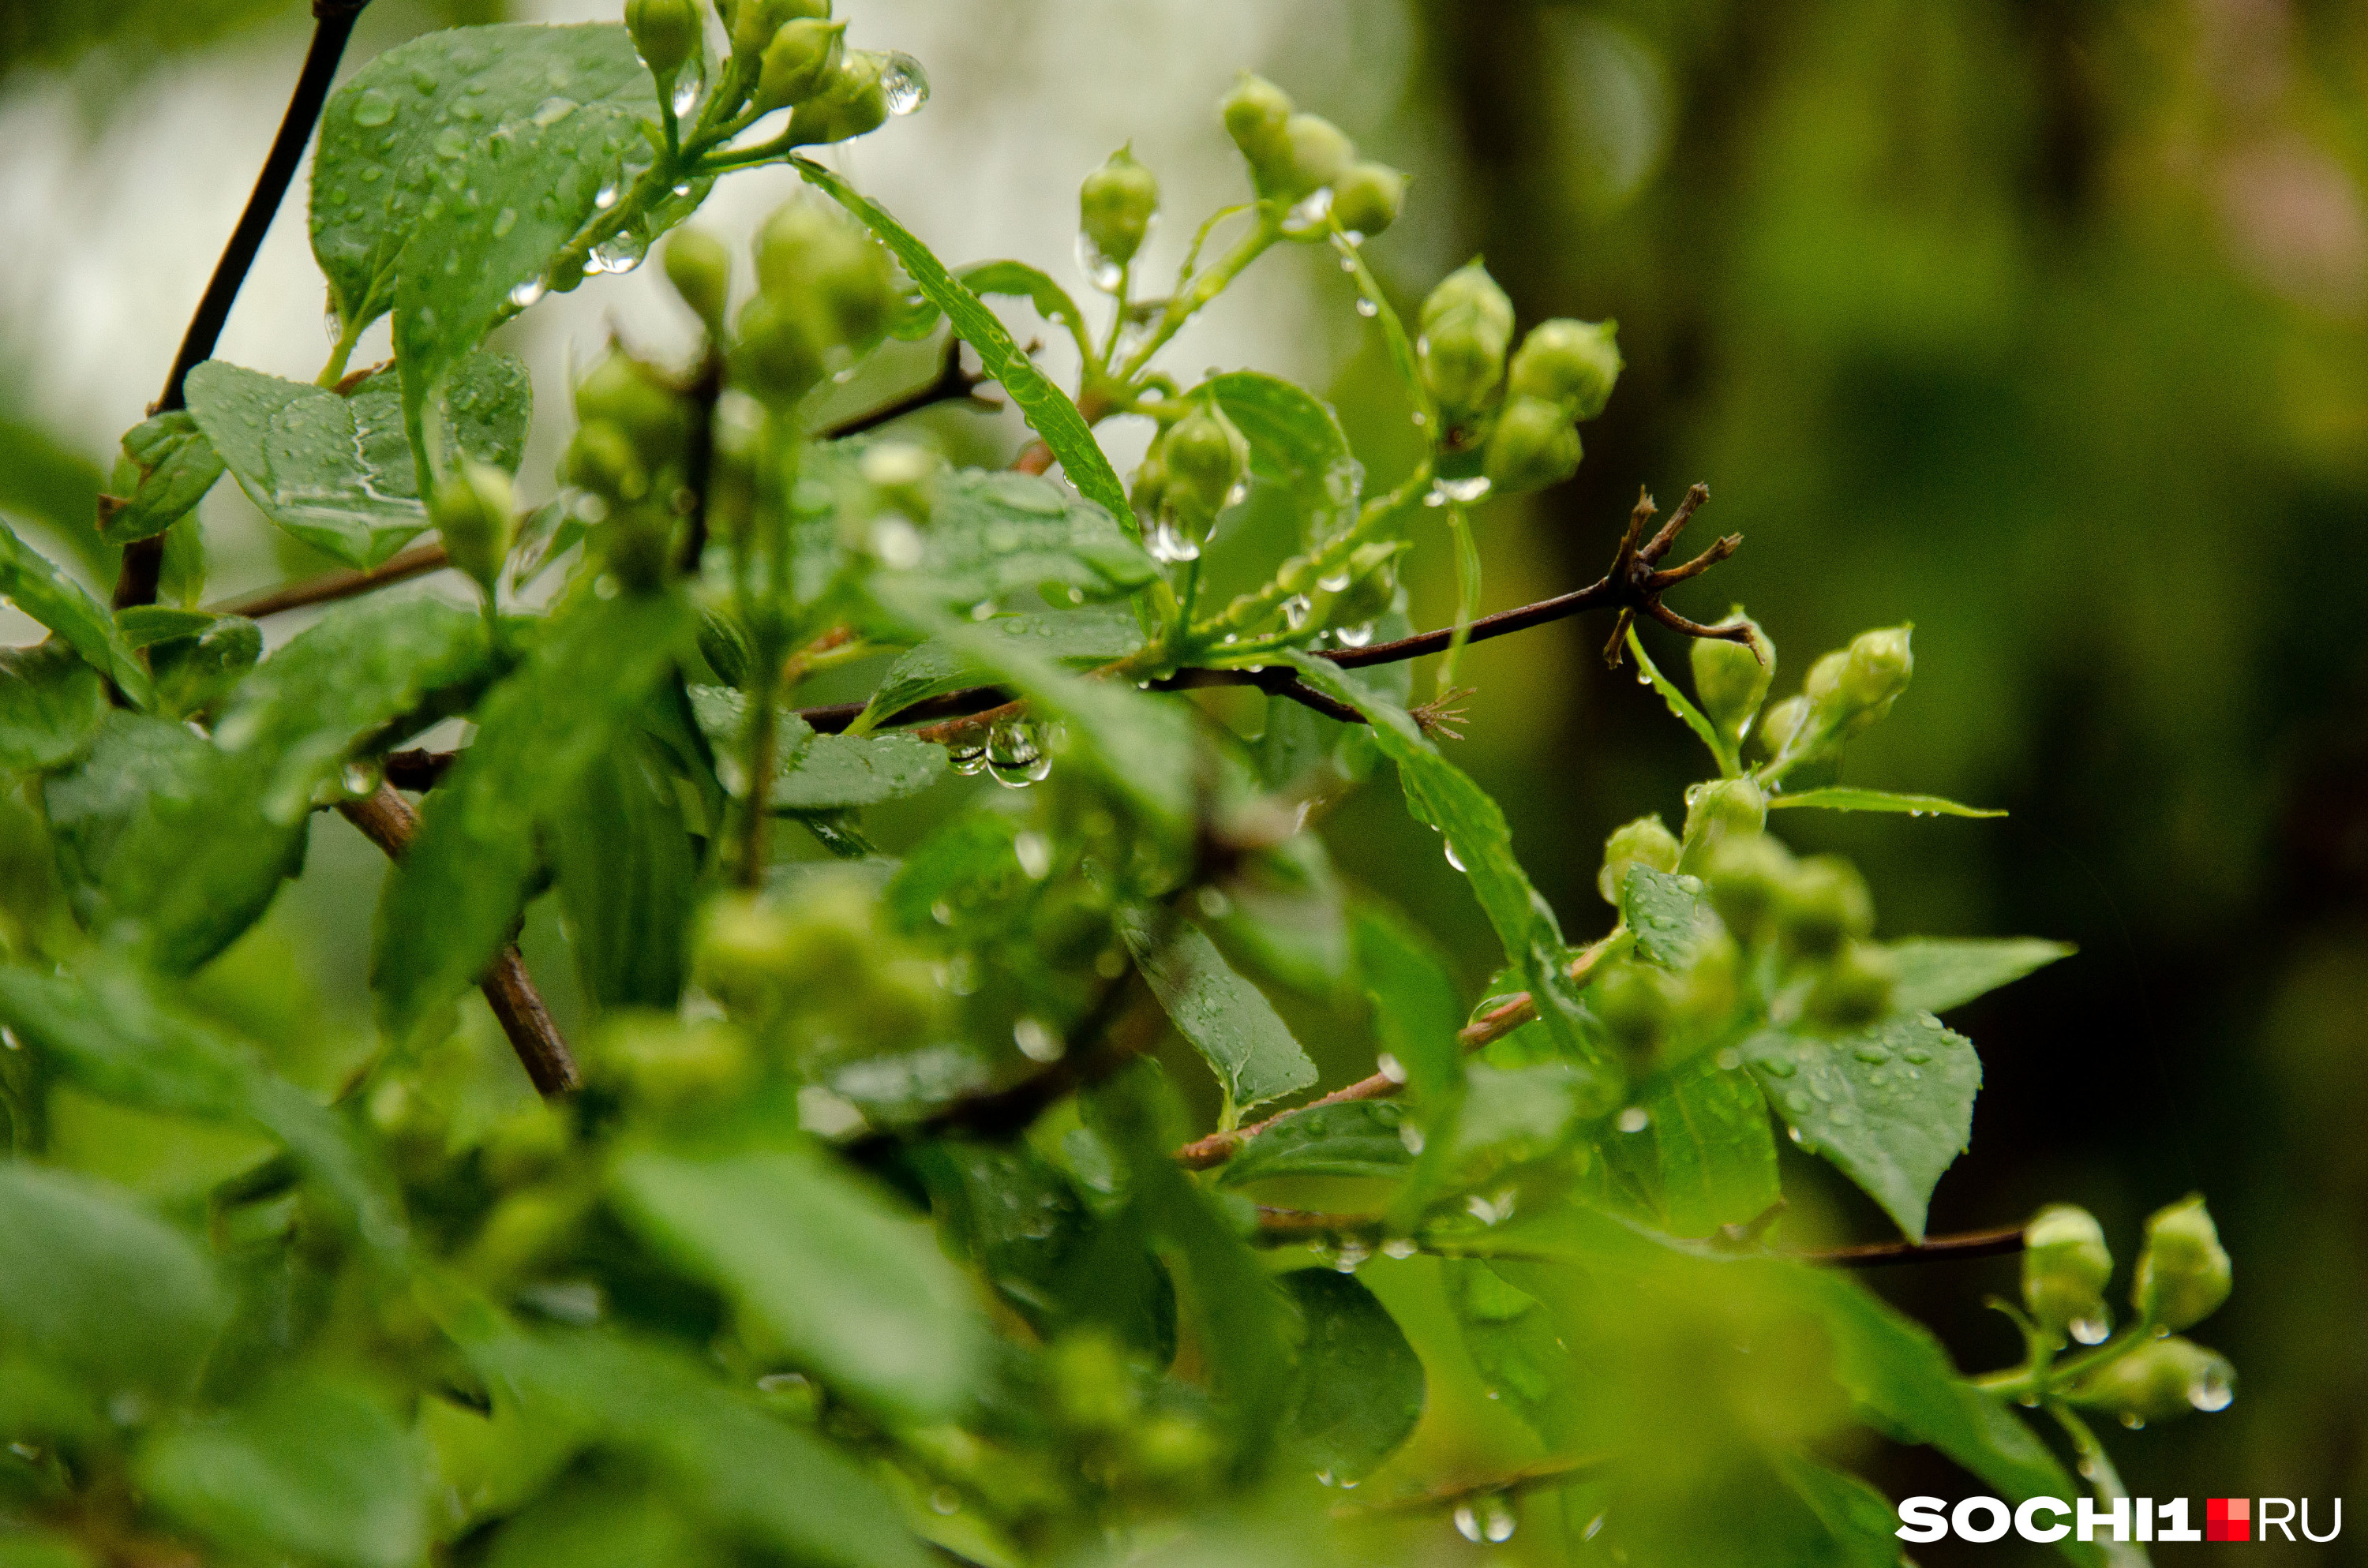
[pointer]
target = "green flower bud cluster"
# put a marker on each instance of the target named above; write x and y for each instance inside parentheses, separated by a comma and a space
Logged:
(1294, 156)
(2183, 1274)
(1525, 416)
(477, 516)
(667, 33)
(853, 100)
(2159, 1380)
(1731, 679)
(1115, 207)
(665, 1067)
(802, 63)
(1466, 326)
(632, 442)
(824, 295)
(1847, 691)
(2065, 1267)
(1645, 842)
(1814, 912)
(818, 978)
(1125, 1441)
(1196, 469)
(1717, 811)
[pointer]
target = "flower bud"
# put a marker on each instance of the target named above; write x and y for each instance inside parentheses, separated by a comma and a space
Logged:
(1368, 199)
(700, 268)
(1534, 445)
(2066, 1266)
(601, 460)
(1567, 361)
(1115, 206)
(2160, 1379)
(1467, 323)
(1877, 667)
(802, 61)
(2183, 1274)
(628, 394)
(476, 514)
(1257, 115)
(852, 103)
(1824, 685)
(1781, 722)
(1633, 1003)
(1645, 842)
(779, 355)
(1747, 878)
(667, 33)
(1731, 679)
(1206, 457)
(1093, 1390)
(1150, 490)
(1320, 153)
(1822, 904)
(814, 256)
(755, 23)
(1719, 809)
(1855, 989)
(667, 1066)
(1373, 588)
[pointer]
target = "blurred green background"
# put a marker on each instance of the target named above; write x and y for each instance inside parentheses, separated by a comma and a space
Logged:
(2037, 323)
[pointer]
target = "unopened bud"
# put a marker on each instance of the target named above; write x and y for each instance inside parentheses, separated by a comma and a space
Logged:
(1718, 811)
(1645, 842)
(666, 32)
(700, 267)
(1320, 153)
(2183, 1274)
(815, 256)
(1467, 324)
(852, 103)
(1373, 588)
(2160, 1379)
(755, 23)
(1115, 206)
(1368, 197)
(1150, 490)
(476, 514)
(1731, 679)
(601, 460)
(1747, 878)
(1823, 904)
(1534, 445)
(624, 392)
(1780, 723)
(1855, 989)
(2065, 1267)
(1567, 361)
(1877, 667)
(1258, 114)
(1093, 1391)
(778, 356)
(1633, 1003)
(1206, 457)
(802, 61)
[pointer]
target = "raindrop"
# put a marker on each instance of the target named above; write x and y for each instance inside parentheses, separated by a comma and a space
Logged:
(505, 220)
(335, 324)
(526, 293)
(1778, 1067)
(553, 110)
(1594, 1526)
(1354, 636)
(1099, 269)
(1438, 497)
(359, 778)
(942, 913)
(896, 542)
(904, 84)
(606, 197)
(1034, 854)
(945, 1500)
(1635, 1119)
(1453, 858)
(685, 99)
(1366, 307)
(1466, 490)
(2091, 1331)
(1917, 1054)
(1035, 1041)
(451, 143)
(1729, 1059)
(1873, 1055)
(1295, 611)
(1795, 1134)
(968, 761)
(1015, 758)
(1467, 1521)
(2132, 1420)
(1391, 1067)
(1420, 418)
(374, 107)
(1399, 1248)
(1350, 1253)
(2211, 1391)
(1169, 545)
(1312, 209)
(1338, 582)
(1497, 1521)
(619, 252)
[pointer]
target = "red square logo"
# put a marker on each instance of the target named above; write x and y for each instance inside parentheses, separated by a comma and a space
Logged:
(2228, 1518)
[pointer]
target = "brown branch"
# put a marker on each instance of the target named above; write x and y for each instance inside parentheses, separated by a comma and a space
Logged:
(2004, 1240)
(143, 561)
(387, 820)
(953, 384)
(413, 562)
(1529, 1477)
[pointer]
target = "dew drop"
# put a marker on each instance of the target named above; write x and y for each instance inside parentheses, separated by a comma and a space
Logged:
(2132, 1420)
(1295, 611)
(1729, 1059)
(1399, 1248)
(526, 293)
(606, 197)
(968, 761)
(1453, 858)
(904, 84)
(1497, 1521)
(2091, 1331)
(1635, 1119)
(2211, 1391)
(1311, 209)
(945, 1500)
(1366, 307)
(1014, 757)
(1391, 1067)
(335, 324)
(619, 252)
(552, 111)
(1034, 853)
(1096, 268)
(505, 220)
(1338, 582)
(686, 96)
(1035, 1041)
(375, 108)
(897, 543)
(1356, 636)
(1467, 1521)
(1411, 1136)
(1169, 545)
(359, 778)
(1873, 1055)
(451, 143)
(1349, 1253)
(1464, 490)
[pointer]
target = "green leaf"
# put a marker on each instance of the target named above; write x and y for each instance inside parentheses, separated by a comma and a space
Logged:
(1891, 1107)
(1296, 445)
(338, 473)
(74, 1256)
(1681, 705)
(993, 533)
(164, 847)
(822, 773)
(1935, 974)
(1355, 1138)
(594, 1521)
(1393, 332)
(1047, 409)
(1417, 1012)
(1018, 280)
(44, 482)
(1861, 1521)
(830, 1271)
(176, 466)
(628, 877)
(1669, 915)
(1078, 639)
(1442, 795)
(1228, 1020)
(194, 672)
(1516, 1348)
(968, 862)
(739, 1470)
(1837, 799)
(34, 585)
(1706, 1151)
(308, 1468)
(448, 907)
(1357, 1390)
(50, 706)
(114, 1033)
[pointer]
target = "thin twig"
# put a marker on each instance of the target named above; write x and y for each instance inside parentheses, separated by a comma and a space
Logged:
(1529, 1477)
(143, 561)
(387, 820)
(419, 559)
(953, 384)
(2000, 1243)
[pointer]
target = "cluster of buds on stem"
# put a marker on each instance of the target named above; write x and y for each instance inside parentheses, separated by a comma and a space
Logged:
(1519, 407)
(1847, 691)
(1815, 913)
(2182, 1276)
(825, 297)
(1306, 163)
(1195, 469)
